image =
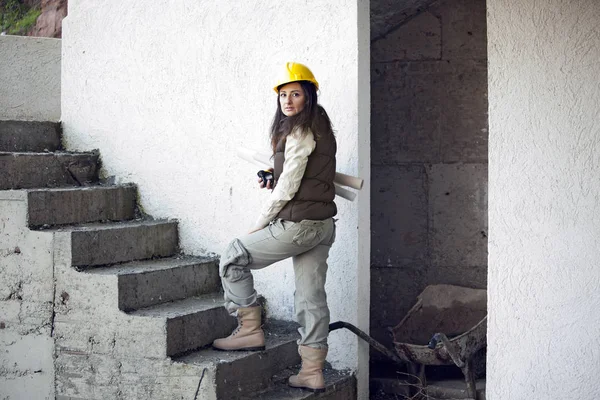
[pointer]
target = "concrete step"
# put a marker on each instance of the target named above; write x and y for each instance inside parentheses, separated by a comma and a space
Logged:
(39, 170)
(339, 385)
(191, 323)
(29, 136)
(100, 244)
(149, 282)
(60, 206)
(238, 373)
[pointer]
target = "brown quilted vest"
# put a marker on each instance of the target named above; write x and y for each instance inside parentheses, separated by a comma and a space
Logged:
(314, 198)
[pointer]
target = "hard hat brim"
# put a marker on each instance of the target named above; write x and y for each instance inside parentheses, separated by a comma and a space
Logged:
(314, 82)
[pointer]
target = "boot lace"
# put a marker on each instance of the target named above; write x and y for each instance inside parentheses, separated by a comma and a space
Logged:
(236, 330)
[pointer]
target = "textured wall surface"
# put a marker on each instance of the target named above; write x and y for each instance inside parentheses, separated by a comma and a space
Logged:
(175, 88)
(29, 78)
(26, 304)
(429, 156)
(544, 212)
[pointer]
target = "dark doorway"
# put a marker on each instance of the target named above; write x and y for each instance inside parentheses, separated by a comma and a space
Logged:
(429, 154)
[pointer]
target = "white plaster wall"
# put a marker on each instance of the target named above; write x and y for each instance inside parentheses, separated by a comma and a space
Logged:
(544, 209)
(26, 304)
(29, 78)
(168, 90)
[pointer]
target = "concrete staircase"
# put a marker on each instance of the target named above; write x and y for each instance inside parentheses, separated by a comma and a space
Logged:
(130, 316)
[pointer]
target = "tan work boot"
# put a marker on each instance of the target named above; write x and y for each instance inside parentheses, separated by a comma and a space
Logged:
(248, 335)
(311, 374)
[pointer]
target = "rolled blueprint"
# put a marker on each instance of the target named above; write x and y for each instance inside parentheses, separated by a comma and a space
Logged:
(343, 192)
(262, 161)
(348, 180)
(340, 179)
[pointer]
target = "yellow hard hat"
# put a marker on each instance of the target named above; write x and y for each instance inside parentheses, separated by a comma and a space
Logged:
(294, 72)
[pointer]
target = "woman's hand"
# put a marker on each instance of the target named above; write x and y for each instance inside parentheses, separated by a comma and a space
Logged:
(260, 223)
(254, 230)
(262, 185)
(265, 178)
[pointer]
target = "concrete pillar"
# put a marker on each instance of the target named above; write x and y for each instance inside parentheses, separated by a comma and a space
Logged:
(544, 209)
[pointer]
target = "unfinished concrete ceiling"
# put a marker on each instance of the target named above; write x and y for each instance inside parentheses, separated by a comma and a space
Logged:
(386, 15)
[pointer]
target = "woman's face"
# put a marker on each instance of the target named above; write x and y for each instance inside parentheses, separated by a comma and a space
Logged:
(292, 99)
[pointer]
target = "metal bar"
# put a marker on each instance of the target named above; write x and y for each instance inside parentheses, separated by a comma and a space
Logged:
(372, 342)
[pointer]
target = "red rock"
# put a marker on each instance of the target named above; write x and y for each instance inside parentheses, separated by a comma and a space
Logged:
(49, 23)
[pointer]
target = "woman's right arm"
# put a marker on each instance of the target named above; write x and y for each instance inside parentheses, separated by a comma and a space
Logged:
(298, 147)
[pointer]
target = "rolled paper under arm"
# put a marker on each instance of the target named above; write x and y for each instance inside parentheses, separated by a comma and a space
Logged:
(348, 180)
(248, 155)
(340, 179)
(263, 162)
(343, 192)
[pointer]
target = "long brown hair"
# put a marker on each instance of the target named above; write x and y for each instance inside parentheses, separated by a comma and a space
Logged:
(313, 116)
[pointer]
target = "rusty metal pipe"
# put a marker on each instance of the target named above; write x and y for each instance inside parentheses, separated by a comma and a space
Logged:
(372, 342)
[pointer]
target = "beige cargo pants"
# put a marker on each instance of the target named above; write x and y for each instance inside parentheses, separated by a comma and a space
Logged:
(308, 243)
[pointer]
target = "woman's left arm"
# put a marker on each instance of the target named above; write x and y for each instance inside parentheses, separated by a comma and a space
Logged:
(298, 147)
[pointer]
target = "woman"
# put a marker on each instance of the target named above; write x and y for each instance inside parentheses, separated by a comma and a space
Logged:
(295, 222)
